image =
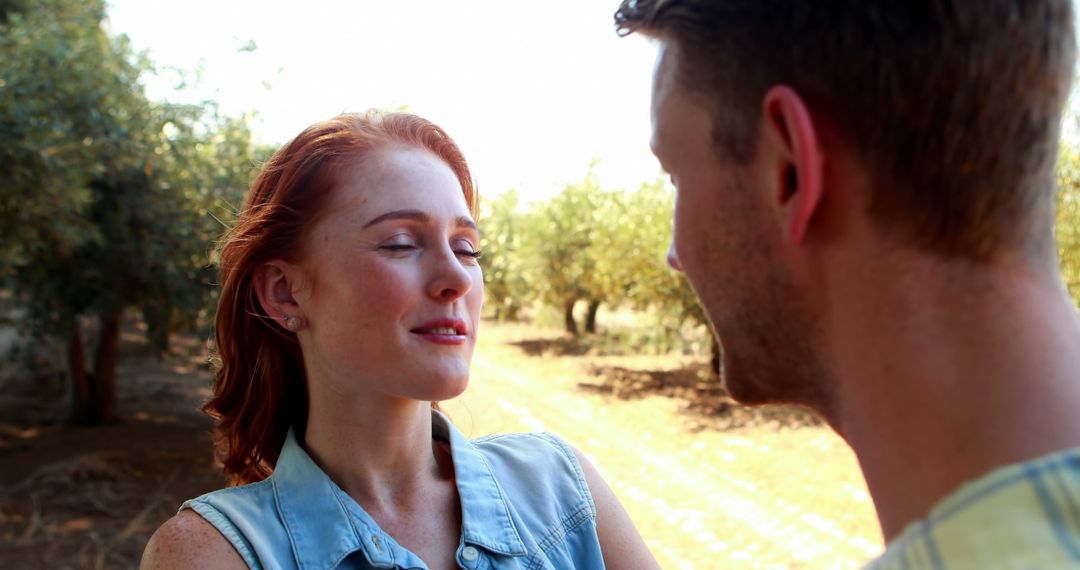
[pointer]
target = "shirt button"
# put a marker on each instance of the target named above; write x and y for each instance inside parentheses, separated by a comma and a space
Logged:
(469, 554)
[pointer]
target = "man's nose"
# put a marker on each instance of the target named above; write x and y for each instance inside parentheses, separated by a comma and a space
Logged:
(673, 258)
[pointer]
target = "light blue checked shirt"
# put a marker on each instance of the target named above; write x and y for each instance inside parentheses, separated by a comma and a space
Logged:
(1022, 516)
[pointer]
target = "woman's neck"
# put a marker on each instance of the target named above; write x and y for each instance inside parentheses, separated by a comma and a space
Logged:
(380, 452)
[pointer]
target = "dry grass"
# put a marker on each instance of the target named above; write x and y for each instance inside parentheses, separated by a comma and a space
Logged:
(719, 487)
(709, 485)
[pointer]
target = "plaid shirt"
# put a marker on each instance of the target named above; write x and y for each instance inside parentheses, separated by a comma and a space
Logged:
(1020, 516)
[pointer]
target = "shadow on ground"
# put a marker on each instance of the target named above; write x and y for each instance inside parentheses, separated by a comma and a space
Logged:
(559, 346)
(704, 399)
(91, 497)
(606, 344)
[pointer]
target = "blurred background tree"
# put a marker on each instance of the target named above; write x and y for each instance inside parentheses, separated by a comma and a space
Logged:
(107, 199)
(605, 248)
(559, 251)
(506, 285)
(1068, 218)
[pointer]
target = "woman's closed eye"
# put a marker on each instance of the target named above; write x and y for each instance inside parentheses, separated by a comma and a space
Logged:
(461, 249)
(465, 248)
(474, 254)
(398, 247)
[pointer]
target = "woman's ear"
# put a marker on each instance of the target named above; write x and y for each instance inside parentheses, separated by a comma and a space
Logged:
(274, 283)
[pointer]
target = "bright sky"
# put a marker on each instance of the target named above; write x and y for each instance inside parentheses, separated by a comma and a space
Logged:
(532, 91)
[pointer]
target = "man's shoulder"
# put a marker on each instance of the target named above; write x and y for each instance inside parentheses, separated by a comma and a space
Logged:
(1024, 515)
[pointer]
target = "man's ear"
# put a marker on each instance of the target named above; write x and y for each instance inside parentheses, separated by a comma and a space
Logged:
(274, 283)
(798, 166)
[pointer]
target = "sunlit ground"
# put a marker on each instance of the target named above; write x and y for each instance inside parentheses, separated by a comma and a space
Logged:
(703, 494)
(754, 497)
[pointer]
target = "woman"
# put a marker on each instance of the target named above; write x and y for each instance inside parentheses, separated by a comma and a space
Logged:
(351, 295)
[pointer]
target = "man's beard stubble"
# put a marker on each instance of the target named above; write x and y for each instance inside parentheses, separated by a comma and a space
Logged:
(772, 342)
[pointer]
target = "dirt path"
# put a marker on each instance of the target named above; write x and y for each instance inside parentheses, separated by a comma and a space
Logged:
(744, 497)
(90, 498)
(762, 497)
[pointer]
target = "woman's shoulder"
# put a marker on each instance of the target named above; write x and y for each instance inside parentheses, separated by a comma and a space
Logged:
(233, 520)
(524, 443)
(549, 467)
(536, 460)
(251, 495)
(539, 449)
(188, 540)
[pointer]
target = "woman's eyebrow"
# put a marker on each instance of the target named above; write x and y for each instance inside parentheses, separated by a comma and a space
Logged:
(415, 215)
(418, 216)
(467, 222)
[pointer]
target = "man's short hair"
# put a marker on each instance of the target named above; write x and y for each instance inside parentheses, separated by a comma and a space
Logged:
(955, 106)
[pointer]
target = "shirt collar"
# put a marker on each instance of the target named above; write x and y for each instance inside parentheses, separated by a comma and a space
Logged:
(316, 519)
(485, 511)
(325, 525)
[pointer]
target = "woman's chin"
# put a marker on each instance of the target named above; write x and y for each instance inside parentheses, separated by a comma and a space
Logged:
(451, 389)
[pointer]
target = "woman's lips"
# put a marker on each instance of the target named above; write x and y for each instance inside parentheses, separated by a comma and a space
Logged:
(443, 331)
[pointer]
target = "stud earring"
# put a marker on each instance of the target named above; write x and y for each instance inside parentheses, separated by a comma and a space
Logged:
(292, 323)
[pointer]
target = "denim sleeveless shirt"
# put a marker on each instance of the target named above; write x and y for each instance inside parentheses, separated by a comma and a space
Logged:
(524, 504)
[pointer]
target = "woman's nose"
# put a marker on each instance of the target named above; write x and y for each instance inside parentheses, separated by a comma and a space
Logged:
(450, 279)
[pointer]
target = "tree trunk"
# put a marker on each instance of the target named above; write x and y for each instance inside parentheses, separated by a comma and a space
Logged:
(158, 328)
(716, 358)
(590, 317)
(80, 391)
(105, 367)
(568, 317)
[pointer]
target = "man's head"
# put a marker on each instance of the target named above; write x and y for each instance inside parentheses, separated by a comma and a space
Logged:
(946, 99)
(951, 110)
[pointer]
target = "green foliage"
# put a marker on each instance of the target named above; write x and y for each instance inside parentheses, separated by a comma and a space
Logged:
(560, 245)
(646, 236)
(56, 77)
(206, 164)
(589, 244)
(107, 199)
(592, 244)
(1068, 218)
(505, 286)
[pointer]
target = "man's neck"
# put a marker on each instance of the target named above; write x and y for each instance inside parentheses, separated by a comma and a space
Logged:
(945, 374)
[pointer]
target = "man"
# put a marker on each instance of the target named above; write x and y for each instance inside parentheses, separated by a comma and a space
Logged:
(865, 195)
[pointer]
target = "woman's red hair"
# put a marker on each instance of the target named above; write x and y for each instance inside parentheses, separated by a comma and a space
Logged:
(260, 390)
